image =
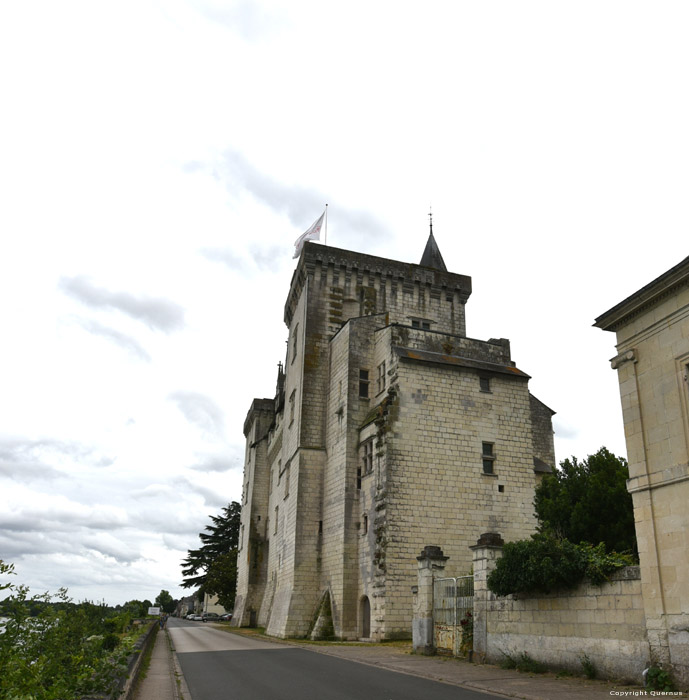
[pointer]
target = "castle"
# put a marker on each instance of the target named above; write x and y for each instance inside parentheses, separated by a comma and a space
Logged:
(390, 429)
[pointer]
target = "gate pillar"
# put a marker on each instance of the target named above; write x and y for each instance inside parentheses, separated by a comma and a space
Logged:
(431, 564)
(487, 550)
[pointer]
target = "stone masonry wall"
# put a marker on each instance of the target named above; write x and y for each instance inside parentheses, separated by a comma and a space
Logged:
(542, 432)
(367, 284)
(251, 554)
(437, 490)
(605, 623)
(653, 372)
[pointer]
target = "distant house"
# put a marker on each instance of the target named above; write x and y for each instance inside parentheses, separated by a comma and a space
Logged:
(652, 363)
(185, 606)
(390, 429)
(210, 604)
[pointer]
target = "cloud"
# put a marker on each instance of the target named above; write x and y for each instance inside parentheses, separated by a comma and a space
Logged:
(301, 205)
(564, 431)
(226, 257)
(108, 546)
(121, 339)
(214, 464)
(157, 313)
(29, 460)
(267, 259)
(264, 259)
(200, 410)
(28, 472)
(152, 491)
(244, 17)
(211, 497)
(62, 516)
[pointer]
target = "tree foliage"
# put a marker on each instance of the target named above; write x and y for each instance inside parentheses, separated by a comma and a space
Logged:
(166, 602)
(137, 608)
(221, 579)
(54, 649)
(210, 566)
(546, 563)
(588, 501)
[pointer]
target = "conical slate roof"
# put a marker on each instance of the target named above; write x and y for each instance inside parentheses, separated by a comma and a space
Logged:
(431, 255)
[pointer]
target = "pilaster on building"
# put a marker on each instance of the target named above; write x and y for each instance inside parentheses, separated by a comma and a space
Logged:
(652, 365)
(390, 428)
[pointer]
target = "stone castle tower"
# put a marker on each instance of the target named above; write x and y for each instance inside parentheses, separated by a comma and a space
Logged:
(390, 430)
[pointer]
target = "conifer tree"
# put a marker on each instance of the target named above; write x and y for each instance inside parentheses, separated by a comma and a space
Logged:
(219, 538)
(588, 501)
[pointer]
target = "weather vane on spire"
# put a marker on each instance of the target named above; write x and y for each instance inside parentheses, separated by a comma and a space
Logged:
(430, 218)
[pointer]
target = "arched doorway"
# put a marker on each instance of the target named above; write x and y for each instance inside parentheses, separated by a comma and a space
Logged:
(365, 618)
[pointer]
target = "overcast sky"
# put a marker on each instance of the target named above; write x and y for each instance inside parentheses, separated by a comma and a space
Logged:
(158, 158)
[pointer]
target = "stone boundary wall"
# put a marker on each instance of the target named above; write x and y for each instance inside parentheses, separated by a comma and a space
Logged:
(605, 623)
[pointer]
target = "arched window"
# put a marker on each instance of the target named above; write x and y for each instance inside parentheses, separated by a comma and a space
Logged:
(365, 618)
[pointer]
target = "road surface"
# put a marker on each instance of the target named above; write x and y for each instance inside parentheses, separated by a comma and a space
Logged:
(219, 665)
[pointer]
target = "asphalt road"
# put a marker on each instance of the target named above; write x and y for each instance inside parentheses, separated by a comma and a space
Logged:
(218, 665)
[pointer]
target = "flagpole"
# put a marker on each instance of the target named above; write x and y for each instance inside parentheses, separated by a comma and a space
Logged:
(326, 225)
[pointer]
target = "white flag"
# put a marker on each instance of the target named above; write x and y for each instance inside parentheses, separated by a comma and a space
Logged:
(312, 234)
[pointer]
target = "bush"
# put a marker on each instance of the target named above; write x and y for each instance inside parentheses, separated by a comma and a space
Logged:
(660, 680)
(587, 665)
(523, 663)
(546, 563)
(61, 652)
(110, 641)
(467, 625)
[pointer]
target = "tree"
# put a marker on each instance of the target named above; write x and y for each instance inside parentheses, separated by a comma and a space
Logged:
(221, 537)
(588, 501)
(165, 602)
(221, 579)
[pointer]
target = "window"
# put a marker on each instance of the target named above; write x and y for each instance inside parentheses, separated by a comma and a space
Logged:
(484, 384)
(291, 406)
(363, 383)
(287, 470)
(275, 526)
(358, 478)
(488, 454)
(367, 457)
(421, 323)
(381, 377)
(365, 524)
(295, 336)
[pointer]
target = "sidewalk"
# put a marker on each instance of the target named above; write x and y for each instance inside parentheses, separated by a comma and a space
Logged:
(163, 674)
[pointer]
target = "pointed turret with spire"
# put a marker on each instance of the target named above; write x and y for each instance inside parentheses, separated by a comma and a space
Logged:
(431, 255)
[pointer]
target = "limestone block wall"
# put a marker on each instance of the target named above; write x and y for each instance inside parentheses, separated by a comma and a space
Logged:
(338, 489)
(437, 490)
(605, 623)
(542, 432)
(366, 284)
(496, 351)
(653, 372)
(251, 556)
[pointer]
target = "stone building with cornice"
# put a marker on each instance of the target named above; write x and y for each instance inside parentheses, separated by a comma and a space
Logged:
(652, 363)
(390, 428)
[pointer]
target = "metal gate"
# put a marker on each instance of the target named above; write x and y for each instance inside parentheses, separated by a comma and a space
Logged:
(453, 598)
